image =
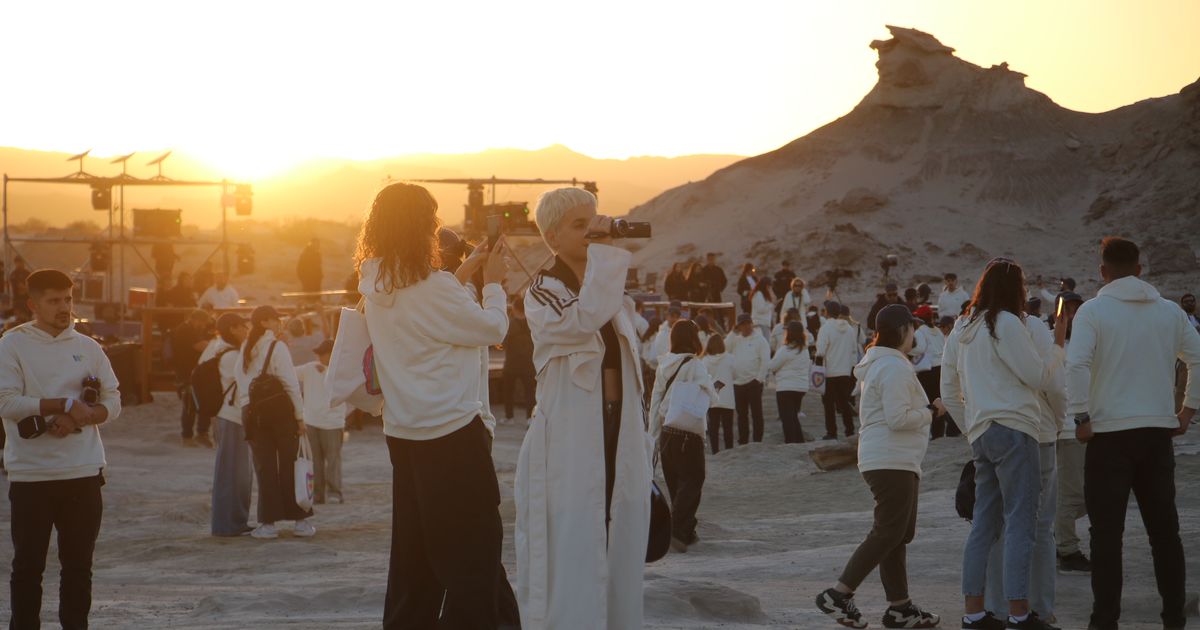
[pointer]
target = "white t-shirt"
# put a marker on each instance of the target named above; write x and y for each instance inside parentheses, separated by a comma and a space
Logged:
(219, 298)
(318, 412)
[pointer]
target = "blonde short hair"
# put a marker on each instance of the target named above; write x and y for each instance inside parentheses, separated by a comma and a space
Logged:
(553, 204)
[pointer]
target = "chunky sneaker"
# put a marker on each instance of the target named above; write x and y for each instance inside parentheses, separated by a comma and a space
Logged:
(840, 608)
(266, 531)
(1032, 622)
(1074, 564)
(304, 529)
(987, 622)
(909, 616)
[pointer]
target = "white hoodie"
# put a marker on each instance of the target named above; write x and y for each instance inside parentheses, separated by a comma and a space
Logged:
(950, 302)
(762, 310)
(751, 357)
(790, 367)
(801, 302)
(1052, 402)
(837, 342)
(228, 368)
(427, 339)
(894, 412)
(1121, 360)
(999, 378)
(281, 367)
(691, 372)
(34, 365)
(720, 369)
(928, 345)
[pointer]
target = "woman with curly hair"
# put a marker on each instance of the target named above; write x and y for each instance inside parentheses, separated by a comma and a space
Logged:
(427, 331)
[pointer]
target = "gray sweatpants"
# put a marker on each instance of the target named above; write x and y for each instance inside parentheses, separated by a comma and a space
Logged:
(1070, 494)
(327, 462)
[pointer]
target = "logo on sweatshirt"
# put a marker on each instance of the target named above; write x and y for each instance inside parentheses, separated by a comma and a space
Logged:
(78, 357)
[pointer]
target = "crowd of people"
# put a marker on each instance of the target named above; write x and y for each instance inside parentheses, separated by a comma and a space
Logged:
(1065, 416)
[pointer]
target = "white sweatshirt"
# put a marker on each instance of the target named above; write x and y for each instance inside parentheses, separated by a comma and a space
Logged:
(837, 342)
(790, 367)
(1121, 360)
(720, 369)
(318, 411)
(998, 379)
(894, 413)
(801, 302)
(281, 367)
(34, 365)
(751, 357)
(950, 302)
(427, 339)
(228, 367)
(1052, 402)
(762, 311)
(219, 298)
(691, 372)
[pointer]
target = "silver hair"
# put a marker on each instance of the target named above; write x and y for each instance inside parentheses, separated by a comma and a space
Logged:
(553, 204)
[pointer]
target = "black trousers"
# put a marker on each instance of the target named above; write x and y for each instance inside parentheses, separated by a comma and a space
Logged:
(444, 570)
(895, 525)
(274, 448)
(748, 400)
(683, 469)
(74, 508)
(838, 390)
(526, 381)
(1141, 460)
(720, 420)
(789, 415)
(191, 422)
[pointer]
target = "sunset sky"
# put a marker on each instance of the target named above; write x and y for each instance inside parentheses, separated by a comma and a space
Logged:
(254, 87)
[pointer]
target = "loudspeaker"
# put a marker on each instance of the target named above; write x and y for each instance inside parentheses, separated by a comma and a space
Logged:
(158, 223)
(101, 197)
(244, 200)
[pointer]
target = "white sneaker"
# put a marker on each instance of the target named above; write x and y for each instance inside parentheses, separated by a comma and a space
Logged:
(266, 531)
(304, 529)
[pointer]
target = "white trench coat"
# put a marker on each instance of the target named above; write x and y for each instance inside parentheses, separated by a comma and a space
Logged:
(566, 577)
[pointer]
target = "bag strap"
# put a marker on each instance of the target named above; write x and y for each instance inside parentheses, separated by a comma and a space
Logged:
(267, 363)
(304, 448)
(671, 380)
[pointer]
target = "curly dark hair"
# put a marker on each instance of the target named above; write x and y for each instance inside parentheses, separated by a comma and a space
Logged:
(402, 230)
(1001, 288)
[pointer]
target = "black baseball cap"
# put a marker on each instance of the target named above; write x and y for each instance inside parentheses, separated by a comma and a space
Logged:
(264, 313)
(894, 316)
(890, 287)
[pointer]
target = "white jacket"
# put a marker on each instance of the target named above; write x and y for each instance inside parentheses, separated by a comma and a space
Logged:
(1052, 402)
(230, 410)
(660, 398)
(570, 574)
(928, 345)
(281, 367)
(837, 342)
(790, 367)
(34, 365)
(762, 311)
(427, 341)
(751, 357)
(1121, 360)
(950, 302)
(894, 412)
(219, 298)
(801, 302)
(720, 369)
(318, 411)
(1000, 379)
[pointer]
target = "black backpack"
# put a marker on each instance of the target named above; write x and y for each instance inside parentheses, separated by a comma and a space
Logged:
(269, 406)
(964, 496)
(206, 386)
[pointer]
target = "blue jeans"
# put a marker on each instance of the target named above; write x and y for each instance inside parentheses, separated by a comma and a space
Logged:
(1044, 573)
(232, 480)
(1008, 487)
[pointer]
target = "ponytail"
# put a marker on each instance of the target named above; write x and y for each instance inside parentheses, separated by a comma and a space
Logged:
(257, 330)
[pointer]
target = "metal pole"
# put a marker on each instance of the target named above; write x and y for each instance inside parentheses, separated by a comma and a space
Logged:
(224, 229)
(121, 297)
(7, 245)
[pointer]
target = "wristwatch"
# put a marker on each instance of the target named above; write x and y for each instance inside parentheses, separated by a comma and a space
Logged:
(1082, 418)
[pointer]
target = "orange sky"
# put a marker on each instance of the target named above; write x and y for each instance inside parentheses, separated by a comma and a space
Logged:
(253, 87)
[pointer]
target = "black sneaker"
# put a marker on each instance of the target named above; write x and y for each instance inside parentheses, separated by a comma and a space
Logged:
(1074, 564)
(1032, 622)
(840, 608)
(909, 616)
(987, 622)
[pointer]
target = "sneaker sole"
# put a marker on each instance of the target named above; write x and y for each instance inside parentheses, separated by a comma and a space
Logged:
(304, 535)
(836, 615)
(1073, 572)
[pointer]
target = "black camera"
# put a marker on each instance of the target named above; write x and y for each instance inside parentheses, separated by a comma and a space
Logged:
(91, 391)
(31, 427)
(629, 229)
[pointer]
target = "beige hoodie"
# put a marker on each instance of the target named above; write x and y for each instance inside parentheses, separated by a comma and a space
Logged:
(894, 413)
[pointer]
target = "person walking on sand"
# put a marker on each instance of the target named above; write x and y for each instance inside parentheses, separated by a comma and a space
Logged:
(791, 365)
(720, 415)
(895, 434)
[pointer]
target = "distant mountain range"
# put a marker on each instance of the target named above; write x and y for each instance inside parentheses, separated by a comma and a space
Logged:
(339, 190)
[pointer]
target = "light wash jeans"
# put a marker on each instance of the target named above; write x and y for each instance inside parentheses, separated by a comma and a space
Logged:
(1044, 573)
(1008, 487)
(233, 478)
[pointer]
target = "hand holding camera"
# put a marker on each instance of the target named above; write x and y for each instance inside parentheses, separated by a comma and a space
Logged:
(600, 230)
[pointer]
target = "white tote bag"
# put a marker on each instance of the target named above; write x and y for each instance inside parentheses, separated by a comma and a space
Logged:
(303, 468)
(351, 377)
(816, 378)
(688, 408)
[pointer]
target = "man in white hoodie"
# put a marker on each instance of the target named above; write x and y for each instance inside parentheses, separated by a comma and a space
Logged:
(950, 300)
(56, 387)
(1120, 376)
(838, 346)
(751, 360)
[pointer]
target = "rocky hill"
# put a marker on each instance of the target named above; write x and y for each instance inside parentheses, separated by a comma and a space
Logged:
(947, 164)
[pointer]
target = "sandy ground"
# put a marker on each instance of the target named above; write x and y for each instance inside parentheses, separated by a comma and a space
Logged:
(774, 532)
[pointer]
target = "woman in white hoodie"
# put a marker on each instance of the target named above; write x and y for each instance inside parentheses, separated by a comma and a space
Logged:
(762, 307)
(720, 415)
(232, 471)
(681, 441)
(993, 376)
(791, 365)
(895, 433)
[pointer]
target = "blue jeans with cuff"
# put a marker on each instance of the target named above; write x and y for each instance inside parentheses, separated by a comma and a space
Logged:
(1043, 577)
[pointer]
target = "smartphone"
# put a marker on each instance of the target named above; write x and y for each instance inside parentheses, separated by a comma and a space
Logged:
(1059, 311)
(493, 231)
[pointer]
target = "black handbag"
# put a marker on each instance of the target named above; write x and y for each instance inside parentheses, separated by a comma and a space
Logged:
(660, 525)
(269, 405)
(964, 495)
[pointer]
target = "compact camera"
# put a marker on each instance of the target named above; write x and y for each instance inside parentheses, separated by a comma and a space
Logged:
(91, 391)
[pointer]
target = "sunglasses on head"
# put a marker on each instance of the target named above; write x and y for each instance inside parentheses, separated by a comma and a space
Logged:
(1009, 263)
